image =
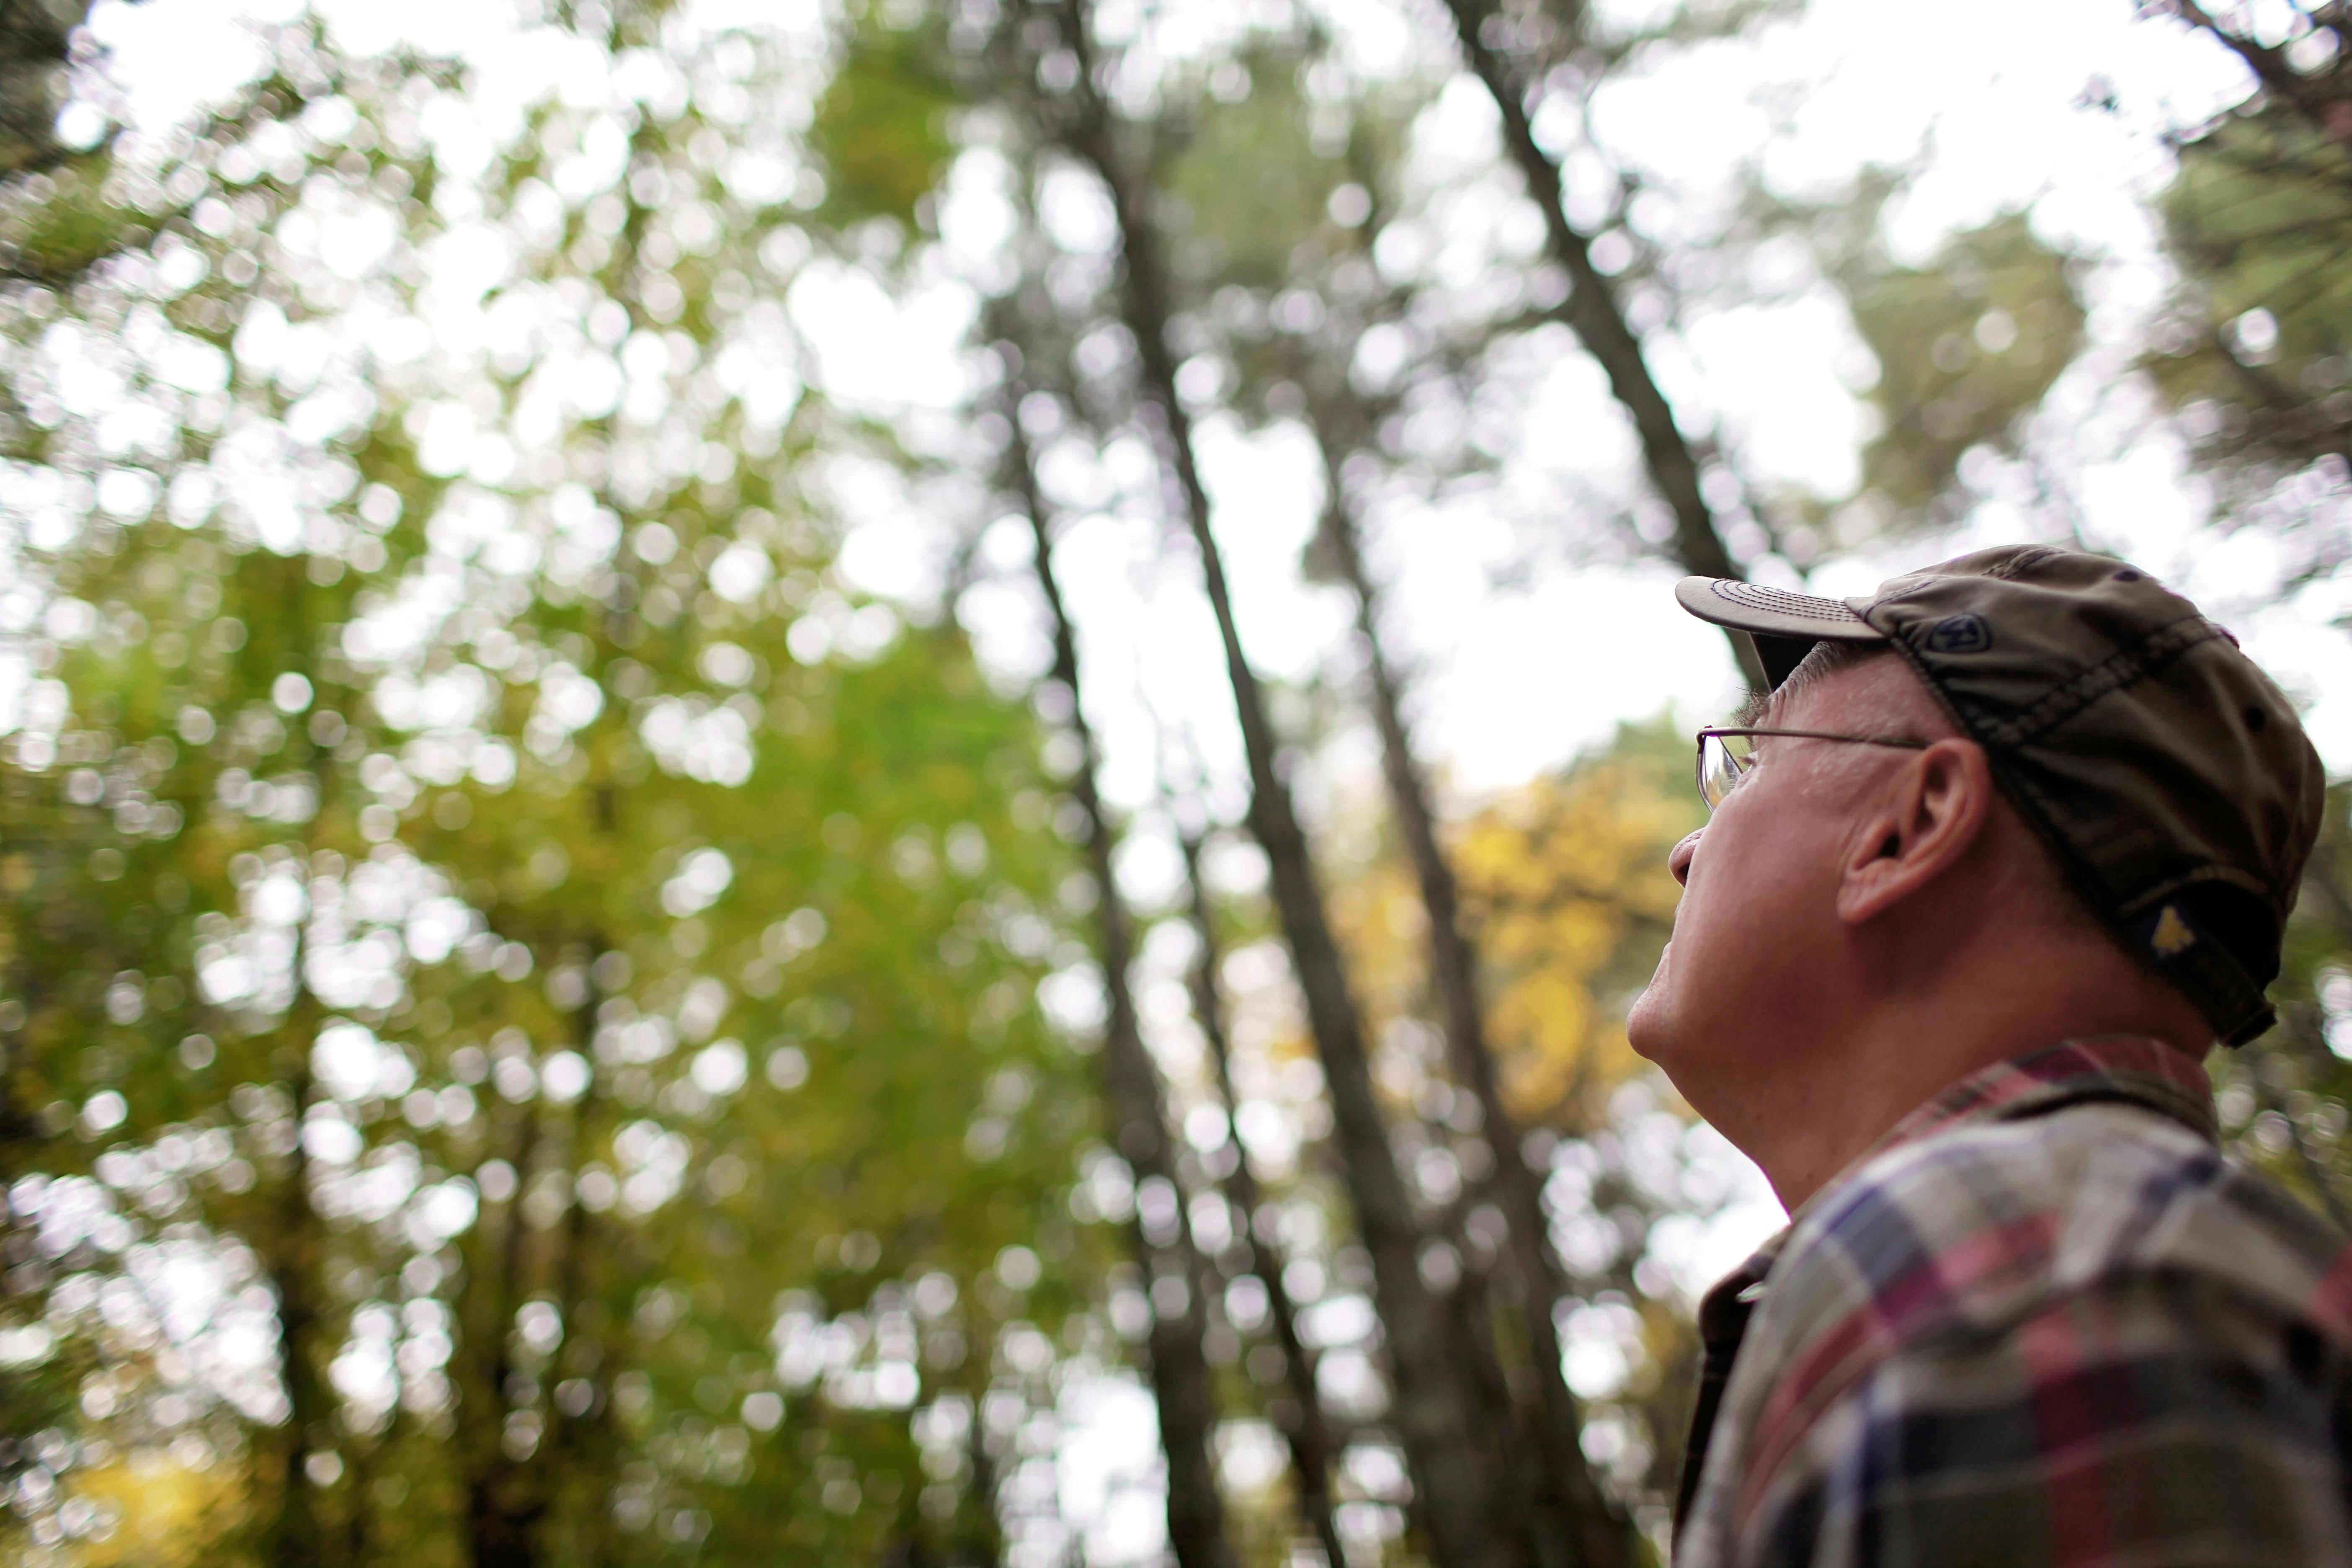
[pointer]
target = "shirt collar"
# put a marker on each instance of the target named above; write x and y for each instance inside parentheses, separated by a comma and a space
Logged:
(2132, 1069)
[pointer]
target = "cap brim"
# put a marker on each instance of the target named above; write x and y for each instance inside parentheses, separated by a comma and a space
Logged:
(1772, 612)
(1784, 625)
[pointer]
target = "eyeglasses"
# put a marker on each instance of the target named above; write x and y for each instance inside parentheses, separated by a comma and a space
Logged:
(1726, 755)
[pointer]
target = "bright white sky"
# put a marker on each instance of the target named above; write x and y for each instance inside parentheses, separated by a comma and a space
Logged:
(1516, 681)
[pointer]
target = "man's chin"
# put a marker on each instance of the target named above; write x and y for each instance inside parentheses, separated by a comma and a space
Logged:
(1648, 1016)
(1646, 1027)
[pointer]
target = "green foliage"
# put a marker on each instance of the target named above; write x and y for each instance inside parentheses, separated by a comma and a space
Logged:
(1965, 347)
(2257, 219)
(63, 221)
(528, 941)
(1248, 178)
(2283, 1098)
(882, 127)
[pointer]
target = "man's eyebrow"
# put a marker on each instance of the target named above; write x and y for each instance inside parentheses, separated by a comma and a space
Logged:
(1754, 711)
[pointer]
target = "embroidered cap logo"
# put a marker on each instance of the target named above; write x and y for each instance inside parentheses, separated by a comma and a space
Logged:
(1959, 633)
(2172, 934)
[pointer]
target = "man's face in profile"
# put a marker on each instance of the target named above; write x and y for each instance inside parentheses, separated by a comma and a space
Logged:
(1757, 930)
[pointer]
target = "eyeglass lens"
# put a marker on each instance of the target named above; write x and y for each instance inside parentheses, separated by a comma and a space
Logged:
(1722, 759)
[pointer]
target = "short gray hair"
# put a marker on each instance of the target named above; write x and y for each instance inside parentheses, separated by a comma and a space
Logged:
(1825, 659)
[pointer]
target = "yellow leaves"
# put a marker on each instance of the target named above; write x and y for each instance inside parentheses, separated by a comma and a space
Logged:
(165, 1514)
(1378, 916)
(1565, 883)
(1567, 898)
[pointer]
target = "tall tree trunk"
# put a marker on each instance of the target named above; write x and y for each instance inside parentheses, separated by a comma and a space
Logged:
(1525, 1457)
(294, 1535)
(979, 1535)
(582, 1449)
(1309, 1435)
(294, 1246)
(1598, 319)
(1181, 1379)
(504, 1497)
(1599, 1528)
(1437, 1408)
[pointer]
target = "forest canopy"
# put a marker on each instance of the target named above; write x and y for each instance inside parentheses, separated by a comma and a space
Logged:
(880, 782)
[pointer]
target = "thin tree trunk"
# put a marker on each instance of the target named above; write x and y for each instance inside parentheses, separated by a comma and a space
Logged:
(1307, 1434)
(294, 1250)
(1181, 1379)
(295, 1537)
(579, 1449)
(504, 1499)
(980, 1534)
(1437, 1408)
(1524, 1456)
(1600, 1530)
(359, 1475)
(1594, 314)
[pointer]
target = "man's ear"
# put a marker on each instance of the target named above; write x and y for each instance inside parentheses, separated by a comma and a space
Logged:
(1920, 825)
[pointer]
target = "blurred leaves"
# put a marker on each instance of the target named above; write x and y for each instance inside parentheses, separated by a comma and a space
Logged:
(2283, 1098)
(2257, 219)
(1566, 880)
(35, 46)
(1965, 345)
(63, 221)
(519, 983)
(882, 128)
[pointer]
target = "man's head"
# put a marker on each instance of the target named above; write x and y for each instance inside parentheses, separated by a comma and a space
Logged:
(2099, 784)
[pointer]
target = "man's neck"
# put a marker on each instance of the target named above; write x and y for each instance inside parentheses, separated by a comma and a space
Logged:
(1804, 1154)
(1908, 1050)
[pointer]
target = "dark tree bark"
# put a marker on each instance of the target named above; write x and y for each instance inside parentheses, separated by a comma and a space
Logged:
(1535, 1498)
(293, 1247)
(1437, 1412)
(1304, 1428)
(294, 1535)
(1598, 1529)
(504, 1497)
(1181, 1379)
(1598, 319)
(582, 1449)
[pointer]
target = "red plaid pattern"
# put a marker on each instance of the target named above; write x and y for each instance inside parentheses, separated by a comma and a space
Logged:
(2043, 1323)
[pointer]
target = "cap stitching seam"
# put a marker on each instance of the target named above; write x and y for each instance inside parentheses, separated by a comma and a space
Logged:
(2240, 998)
(2111, 675)
(2237, 997)
(2207, 873)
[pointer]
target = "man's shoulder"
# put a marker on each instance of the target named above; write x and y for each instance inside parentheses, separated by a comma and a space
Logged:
(2100, 1250)
(1978, 1225)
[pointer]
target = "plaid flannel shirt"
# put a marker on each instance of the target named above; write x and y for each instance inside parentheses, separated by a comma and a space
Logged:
(2044, 1322)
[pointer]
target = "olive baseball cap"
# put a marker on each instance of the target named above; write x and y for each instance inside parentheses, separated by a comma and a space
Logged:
(2172, 779)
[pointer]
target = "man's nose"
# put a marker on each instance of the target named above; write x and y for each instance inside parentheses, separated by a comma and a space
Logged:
(1678, 858)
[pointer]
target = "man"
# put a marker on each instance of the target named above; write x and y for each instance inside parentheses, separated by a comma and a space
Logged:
(2009, 845)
